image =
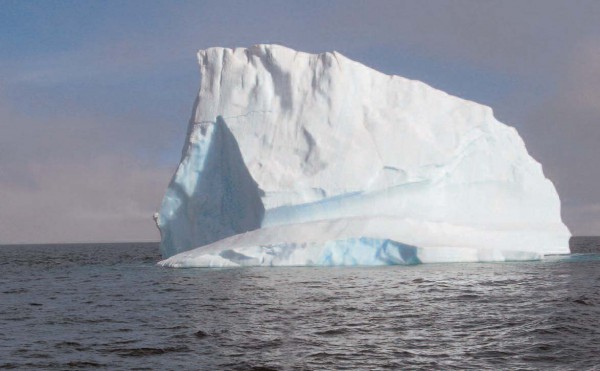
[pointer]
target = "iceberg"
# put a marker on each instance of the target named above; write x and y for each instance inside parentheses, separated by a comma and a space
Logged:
(301, 159)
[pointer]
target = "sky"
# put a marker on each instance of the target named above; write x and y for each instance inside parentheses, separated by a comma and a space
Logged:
(95, 96)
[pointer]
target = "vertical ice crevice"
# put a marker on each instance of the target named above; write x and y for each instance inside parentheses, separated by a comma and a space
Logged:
(211, 196)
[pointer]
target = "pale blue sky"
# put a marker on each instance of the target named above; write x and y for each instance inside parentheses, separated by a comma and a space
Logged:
(95, 96)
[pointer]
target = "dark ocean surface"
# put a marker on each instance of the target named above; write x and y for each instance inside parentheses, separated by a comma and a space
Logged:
(109, 306)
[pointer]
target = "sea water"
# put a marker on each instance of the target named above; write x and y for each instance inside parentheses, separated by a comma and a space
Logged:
(109, 306)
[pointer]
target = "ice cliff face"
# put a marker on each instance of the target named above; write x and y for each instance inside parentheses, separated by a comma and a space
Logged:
(300, 159)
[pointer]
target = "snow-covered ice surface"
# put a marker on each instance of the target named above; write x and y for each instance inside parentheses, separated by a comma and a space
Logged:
(300, 159)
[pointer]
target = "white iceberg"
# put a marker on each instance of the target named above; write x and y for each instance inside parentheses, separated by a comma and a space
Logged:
(300, 159)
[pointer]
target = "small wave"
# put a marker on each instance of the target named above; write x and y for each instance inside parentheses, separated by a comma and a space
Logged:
(336, 331)
(146, 351)
(84, 364)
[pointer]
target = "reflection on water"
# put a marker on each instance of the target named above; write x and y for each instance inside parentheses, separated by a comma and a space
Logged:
(110, 306)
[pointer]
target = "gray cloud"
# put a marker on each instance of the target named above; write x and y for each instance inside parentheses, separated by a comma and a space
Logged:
(107, 199)
(72, 177)
(564, 131)
(516, 37)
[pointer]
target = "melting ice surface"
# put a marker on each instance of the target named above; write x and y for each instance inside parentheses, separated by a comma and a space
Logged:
(300, 159)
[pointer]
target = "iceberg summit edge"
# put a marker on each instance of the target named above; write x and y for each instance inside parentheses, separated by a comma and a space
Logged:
(296, 159)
